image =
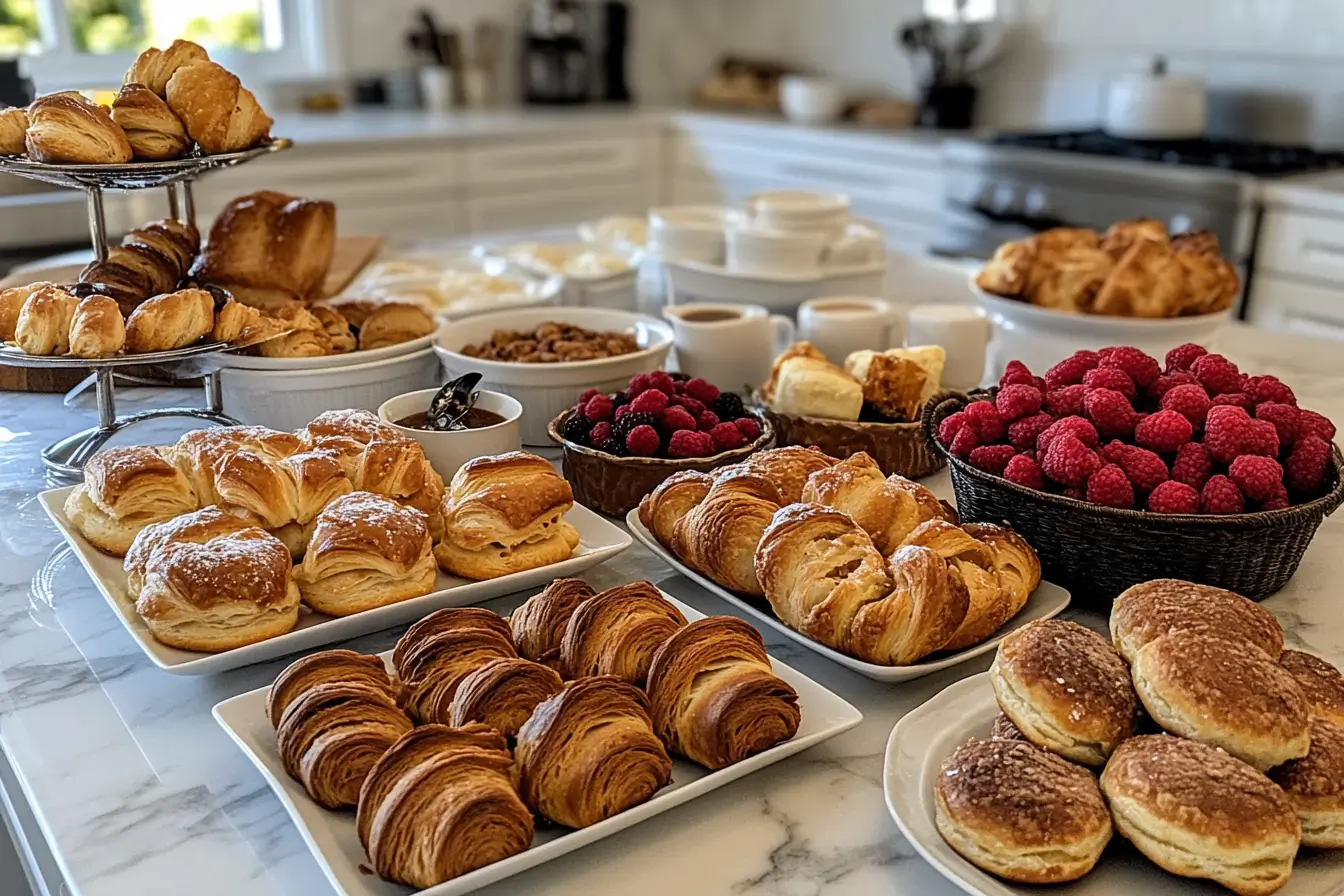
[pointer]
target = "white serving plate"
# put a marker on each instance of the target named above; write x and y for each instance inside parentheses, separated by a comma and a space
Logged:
(236, 361)
(334, 843)
(599, 541)
(928, 734)
(1047, 601)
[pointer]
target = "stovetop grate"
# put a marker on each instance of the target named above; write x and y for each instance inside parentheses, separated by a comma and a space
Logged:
(1231, 155)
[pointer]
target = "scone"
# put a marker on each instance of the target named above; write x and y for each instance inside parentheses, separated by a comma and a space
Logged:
(1315, 786)
(1321, 683)
(808, 387)
(1150, 610)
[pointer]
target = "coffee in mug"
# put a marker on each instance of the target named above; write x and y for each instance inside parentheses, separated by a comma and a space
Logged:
(731, 346)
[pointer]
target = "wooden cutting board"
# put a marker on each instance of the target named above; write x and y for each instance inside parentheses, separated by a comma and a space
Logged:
(352, 255)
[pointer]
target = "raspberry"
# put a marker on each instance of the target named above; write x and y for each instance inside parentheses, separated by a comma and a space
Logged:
(1144, 468)
(1025, 472)
(1261, 439)
(1224, 430)
(649, 402)
(664, 383)
(750, 429)
(576, 428)
(599, 407)
(1016, 374)
(1071, 370)
(1158, 390)
(599, 433)
(689, 443)
(693, 407)
(1142, 369)
(1017, 401)
(1024, 433)
(964, 443)
(627, 423)
(675, 419)
(702, 390)
(639, 383)
(986, 420)
(951, 425)
(1113, 450)
(1315, 424)
(1164, 432)
(1234, 399)
(1286, 420)
(1039, 383)
(1111, 378)
(1217, 374)
(728, 406)
(1182, 357)
(1220, 495)
(1075, 425)
(992, 458)
(621, 412)
(1174, 497)
(1110, 487)
(1259, 478)
(1277, 501)
(707, 421)
(1069, 461)
(1066, 402)
(1190, 401)
(1110, 412)
(1192, 465)
(1076, 494)
(1269, 388)
(726, 437)
(643, 441)
(1307, 464)
(588, 396)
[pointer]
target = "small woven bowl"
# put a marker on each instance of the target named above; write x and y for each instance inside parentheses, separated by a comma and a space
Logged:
(614, 486)
(1097, 552)
(898, 448)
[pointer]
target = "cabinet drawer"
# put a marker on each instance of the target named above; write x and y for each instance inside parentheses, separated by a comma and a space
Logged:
(557, 161)
(1303, 245)
(1286, 305)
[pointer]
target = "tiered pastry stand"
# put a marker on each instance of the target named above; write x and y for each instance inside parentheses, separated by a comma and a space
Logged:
(66, 458)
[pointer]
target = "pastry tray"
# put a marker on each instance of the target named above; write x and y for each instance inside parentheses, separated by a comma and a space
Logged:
(599, 541)
(134, 175)
(928, 734)
(13, 356)
(1047, 601)
(331, 835)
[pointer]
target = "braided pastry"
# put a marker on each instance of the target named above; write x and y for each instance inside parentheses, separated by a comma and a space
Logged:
(538, 626)
(888, 508)
(617, 633)
(589, 753)
(436, 653)
(503, 694)
(325, 667)
(714, 696)
(441, 803)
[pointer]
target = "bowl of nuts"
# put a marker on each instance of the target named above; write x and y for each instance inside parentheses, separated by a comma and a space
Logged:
(543, 357)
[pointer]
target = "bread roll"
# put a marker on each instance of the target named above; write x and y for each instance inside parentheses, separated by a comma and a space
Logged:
(812, 388)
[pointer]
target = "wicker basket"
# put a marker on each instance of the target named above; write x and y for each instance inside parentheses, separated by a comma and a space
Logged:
(898, 448)
(1098, 552)
(615, 485)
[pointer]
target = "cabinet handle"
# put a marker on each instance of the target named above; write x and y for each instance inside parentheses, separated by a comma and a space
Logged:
(1317, 247)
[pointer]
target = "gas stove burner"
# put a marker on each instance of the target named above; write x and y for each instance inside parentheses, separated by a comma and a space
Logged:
(1244, 156)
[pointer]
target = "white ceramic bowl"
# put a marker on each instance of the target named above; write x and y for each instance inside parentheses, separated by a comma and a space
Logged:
(809, 100)
(754, 250)
(290, 399)
(1041, 337)
(801, 211)
(687, 233)
(693, 282)
(447, 451)
(547, 389)
(233, 360)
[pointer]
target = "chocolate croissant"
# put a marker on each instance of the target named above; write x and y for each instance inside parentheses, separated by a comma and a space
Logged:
(538, 626)
(503, 694)
(713, 694)
(441, 803)
(175, 240)
(324, 667)
(435, 654)
(330, 736)
(617, 633)
(154, 132)
(590, 752)
(67, 128)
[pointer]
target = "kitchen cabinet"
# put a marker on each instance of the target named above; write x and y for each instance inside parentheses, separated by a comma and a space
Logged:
(1299, 276)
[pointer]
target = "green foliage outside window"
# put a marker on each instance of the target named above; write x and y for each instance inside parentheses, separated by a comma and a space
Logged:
(19, 32)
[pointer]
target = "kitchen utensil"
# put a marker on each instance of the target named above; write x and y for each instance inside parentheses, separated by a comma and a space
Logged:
(454, 401)
(426, 40)
(1155, 105)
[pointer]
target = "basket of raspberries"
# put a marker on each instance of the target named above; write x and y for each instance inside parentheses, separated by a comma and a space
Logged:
(1120, 469)
(618, 447)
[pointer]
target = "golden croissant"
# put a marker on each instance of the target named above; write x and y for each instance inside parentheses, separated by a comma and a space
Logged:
(617, 633)
(435, 654)
(67, 128)
(324, 667)
(219, 113)
(154, 132)
(503, 694)
(97, 329)
(538, 626)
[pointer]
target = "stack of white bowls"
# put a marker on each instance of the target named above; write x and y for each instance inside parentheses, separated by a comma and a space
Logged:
(785, 233)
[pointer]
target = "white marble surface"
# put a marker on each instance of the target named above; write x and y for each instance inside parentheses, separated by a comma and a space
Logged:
(140, 794)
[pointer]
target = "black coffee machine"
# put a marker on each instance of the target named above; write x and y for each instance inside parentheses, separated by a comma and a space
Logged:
(575, 52)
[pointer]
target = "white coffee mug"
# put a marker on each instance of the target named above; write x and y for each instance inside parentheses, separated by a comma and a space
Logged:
(731, 346)
(839, 326)
(962, 330)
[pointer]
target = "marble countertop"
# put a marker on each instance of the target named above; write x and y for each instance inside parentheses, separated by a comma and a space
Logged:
(137, 792)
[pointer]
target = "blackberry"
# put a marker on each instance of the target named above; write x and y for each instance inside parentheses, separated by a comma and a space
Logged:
(628, 422)
(575, 428)
(620, 398)
(613, 446)
(680, 377)
(729, 406)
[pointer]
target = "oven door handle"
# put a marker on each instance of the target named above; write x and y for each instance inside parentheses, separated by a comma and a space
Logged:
(1034, 223)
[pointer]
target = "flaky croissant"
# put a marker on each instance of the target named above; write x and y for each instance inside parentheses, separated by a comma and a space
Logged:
(170, 321)
(152, 129)
(67, 128)
(154, 67)
(13, 129)
(324, 667)
(503, 694)
(617, 633)
(435, 654)
(43, 325)
(97, 329)
(283, 494)
(714, 696)
(11, 303)
(888, 508)
(219, 113)
(718, 537)
(538, 626)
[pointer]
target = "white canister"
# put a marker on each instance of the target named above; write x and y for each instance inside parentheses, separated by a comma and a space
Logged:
(1154, 105)
(731, 346)
(436, 88)
(962, 330)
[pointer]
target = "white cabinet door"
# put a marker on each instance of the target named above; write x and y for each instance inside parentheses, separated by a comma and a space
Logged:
(1290, 306)
(558, 161)
(1303, 245)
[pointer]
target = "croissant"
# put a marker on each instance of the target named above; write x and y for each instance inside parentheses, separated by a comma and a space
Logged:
(589, 753)
(197, 526)
(198, 453)
(170, 321)
(345, 434)
(439, 804)
(503, 694)
(718, 537)
(538, 626)
(1016, 563)
(1006, 274)
(67, 128)
(157, 272)
(242, 326)
(787, 469)
(887, 508)
(324, 667)
(392, 323)
(714, 696)
(152, 129)
(449, 619)
(128, 287)
(431, 660)
(282, 494)
(219, 113)
(617, 633)
(174, 240)
(97, 329)
(330, 736)
(154, 67)
(13, 129)
(297, 344)
(11, 303)
(43, 325)
(124, 490)
(339, 335)
(676, 496)
(397, 468)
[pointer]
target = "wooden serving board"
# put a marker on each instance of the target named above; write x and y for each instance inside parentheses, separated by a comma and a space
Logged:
(352, 255)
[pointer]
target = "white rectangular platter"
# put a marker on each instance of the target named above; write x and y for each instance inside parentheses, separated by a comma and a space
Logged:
(927, 735)
(599, 541)
(1048, 600)
(331, 835)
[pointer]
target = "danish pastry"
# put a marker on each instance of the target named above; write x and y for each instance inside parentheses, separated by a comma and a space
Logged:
(503, 694)
(65, 128)
(617, 633)
(124, 490)
(538, 626)
(152, 129)
(97, 329)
